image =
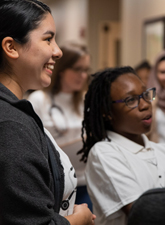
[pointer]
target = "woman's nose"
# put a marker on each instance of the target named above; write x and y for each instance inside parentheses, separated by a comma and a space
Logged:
(84, 74)
(57, 53)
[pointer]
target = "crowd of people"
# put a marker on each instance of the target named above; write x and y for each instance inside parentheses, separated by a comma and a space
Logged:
(81, 148)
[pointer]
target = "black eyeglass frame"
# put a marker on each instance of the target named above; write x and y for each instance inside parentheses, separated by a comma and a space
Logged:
(139, 97)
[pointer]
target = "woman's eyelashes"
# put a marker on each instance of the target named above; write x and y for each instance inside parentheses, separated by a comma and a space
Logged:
(49, 39)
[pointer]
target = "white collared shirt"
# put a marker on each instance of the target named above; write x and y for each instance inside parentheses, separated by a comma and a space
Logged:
(118, 172)
(70, 181)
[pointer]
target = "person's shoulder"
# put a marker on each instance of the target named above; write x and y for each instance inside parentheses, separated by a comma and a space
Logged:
(104, 147)
(18, 114)
(10, 111)
(37, 95)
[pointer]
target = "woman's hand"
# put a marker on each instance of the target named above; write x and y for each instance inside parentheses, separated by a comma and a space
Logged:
(81, 215)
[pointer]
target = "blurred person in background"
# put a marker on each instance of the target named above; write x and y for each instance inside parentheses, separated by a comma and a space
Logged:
(60, 107)
(143, 70)
(157, 79)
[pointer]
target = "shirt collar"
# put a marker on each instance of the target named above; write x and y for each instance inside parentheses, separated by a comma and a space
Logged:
(128, 144)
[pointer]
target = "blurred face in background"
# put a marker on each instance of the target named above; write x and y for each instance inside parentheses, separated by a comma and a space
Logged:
(75, 78)
(143, 73)
(161, 73)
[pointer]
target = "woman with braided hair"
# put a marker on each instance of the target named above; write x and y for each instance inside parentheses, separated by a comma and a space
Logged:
(121, 162)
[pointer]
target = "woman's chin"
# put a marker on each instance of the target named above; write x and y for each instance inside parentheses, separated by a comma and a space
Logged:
(147, 130)
(46, 83)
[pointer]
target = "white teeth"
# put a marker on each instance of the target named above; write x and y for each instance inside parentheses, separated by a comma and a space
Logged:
(51, 67)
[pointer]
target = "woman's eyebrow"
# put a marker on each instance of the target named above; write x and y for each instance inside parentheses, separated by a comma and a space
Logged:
(131, 92)
(50, 32)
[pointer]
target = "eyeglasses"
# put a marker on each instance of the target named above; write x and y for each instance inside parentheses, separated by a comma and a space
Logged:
(133, 101)
(80, 69)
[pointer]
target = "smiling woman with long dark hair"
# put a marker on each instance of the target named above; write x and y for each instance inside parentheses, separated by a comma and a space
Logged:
(37, 179)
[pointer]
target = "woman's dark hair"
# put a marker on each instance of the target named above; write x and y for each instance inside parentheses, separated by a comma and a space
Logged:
(18, 18)
(143, 65)
(97, 108)
(161, 59)
(72, 52)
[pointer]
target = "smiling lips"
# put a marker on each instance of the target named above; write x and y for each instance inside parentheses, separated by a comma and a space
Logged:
(50, 67)
(147, 120)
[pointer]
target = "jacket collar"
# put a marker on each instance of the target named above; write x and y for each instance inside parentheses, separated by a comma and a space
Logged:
(23, 105)
(128, 144)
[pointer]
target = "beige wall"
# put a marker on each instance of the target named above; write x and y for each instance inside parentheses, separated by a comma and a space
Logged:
(71, 19)
(98, 11)
(71, 16)
(133, 15)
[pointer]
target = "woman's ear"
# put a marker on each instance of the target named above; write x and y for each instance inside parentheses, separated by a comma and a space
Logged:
(9, 47)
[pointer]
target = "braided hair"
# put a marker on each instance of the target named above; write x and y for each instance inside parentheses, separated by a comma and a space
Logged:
(97, 108)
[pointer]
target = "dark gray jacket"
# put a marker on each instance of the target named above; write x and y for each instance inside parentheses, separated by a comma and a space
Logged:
(26, 181)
